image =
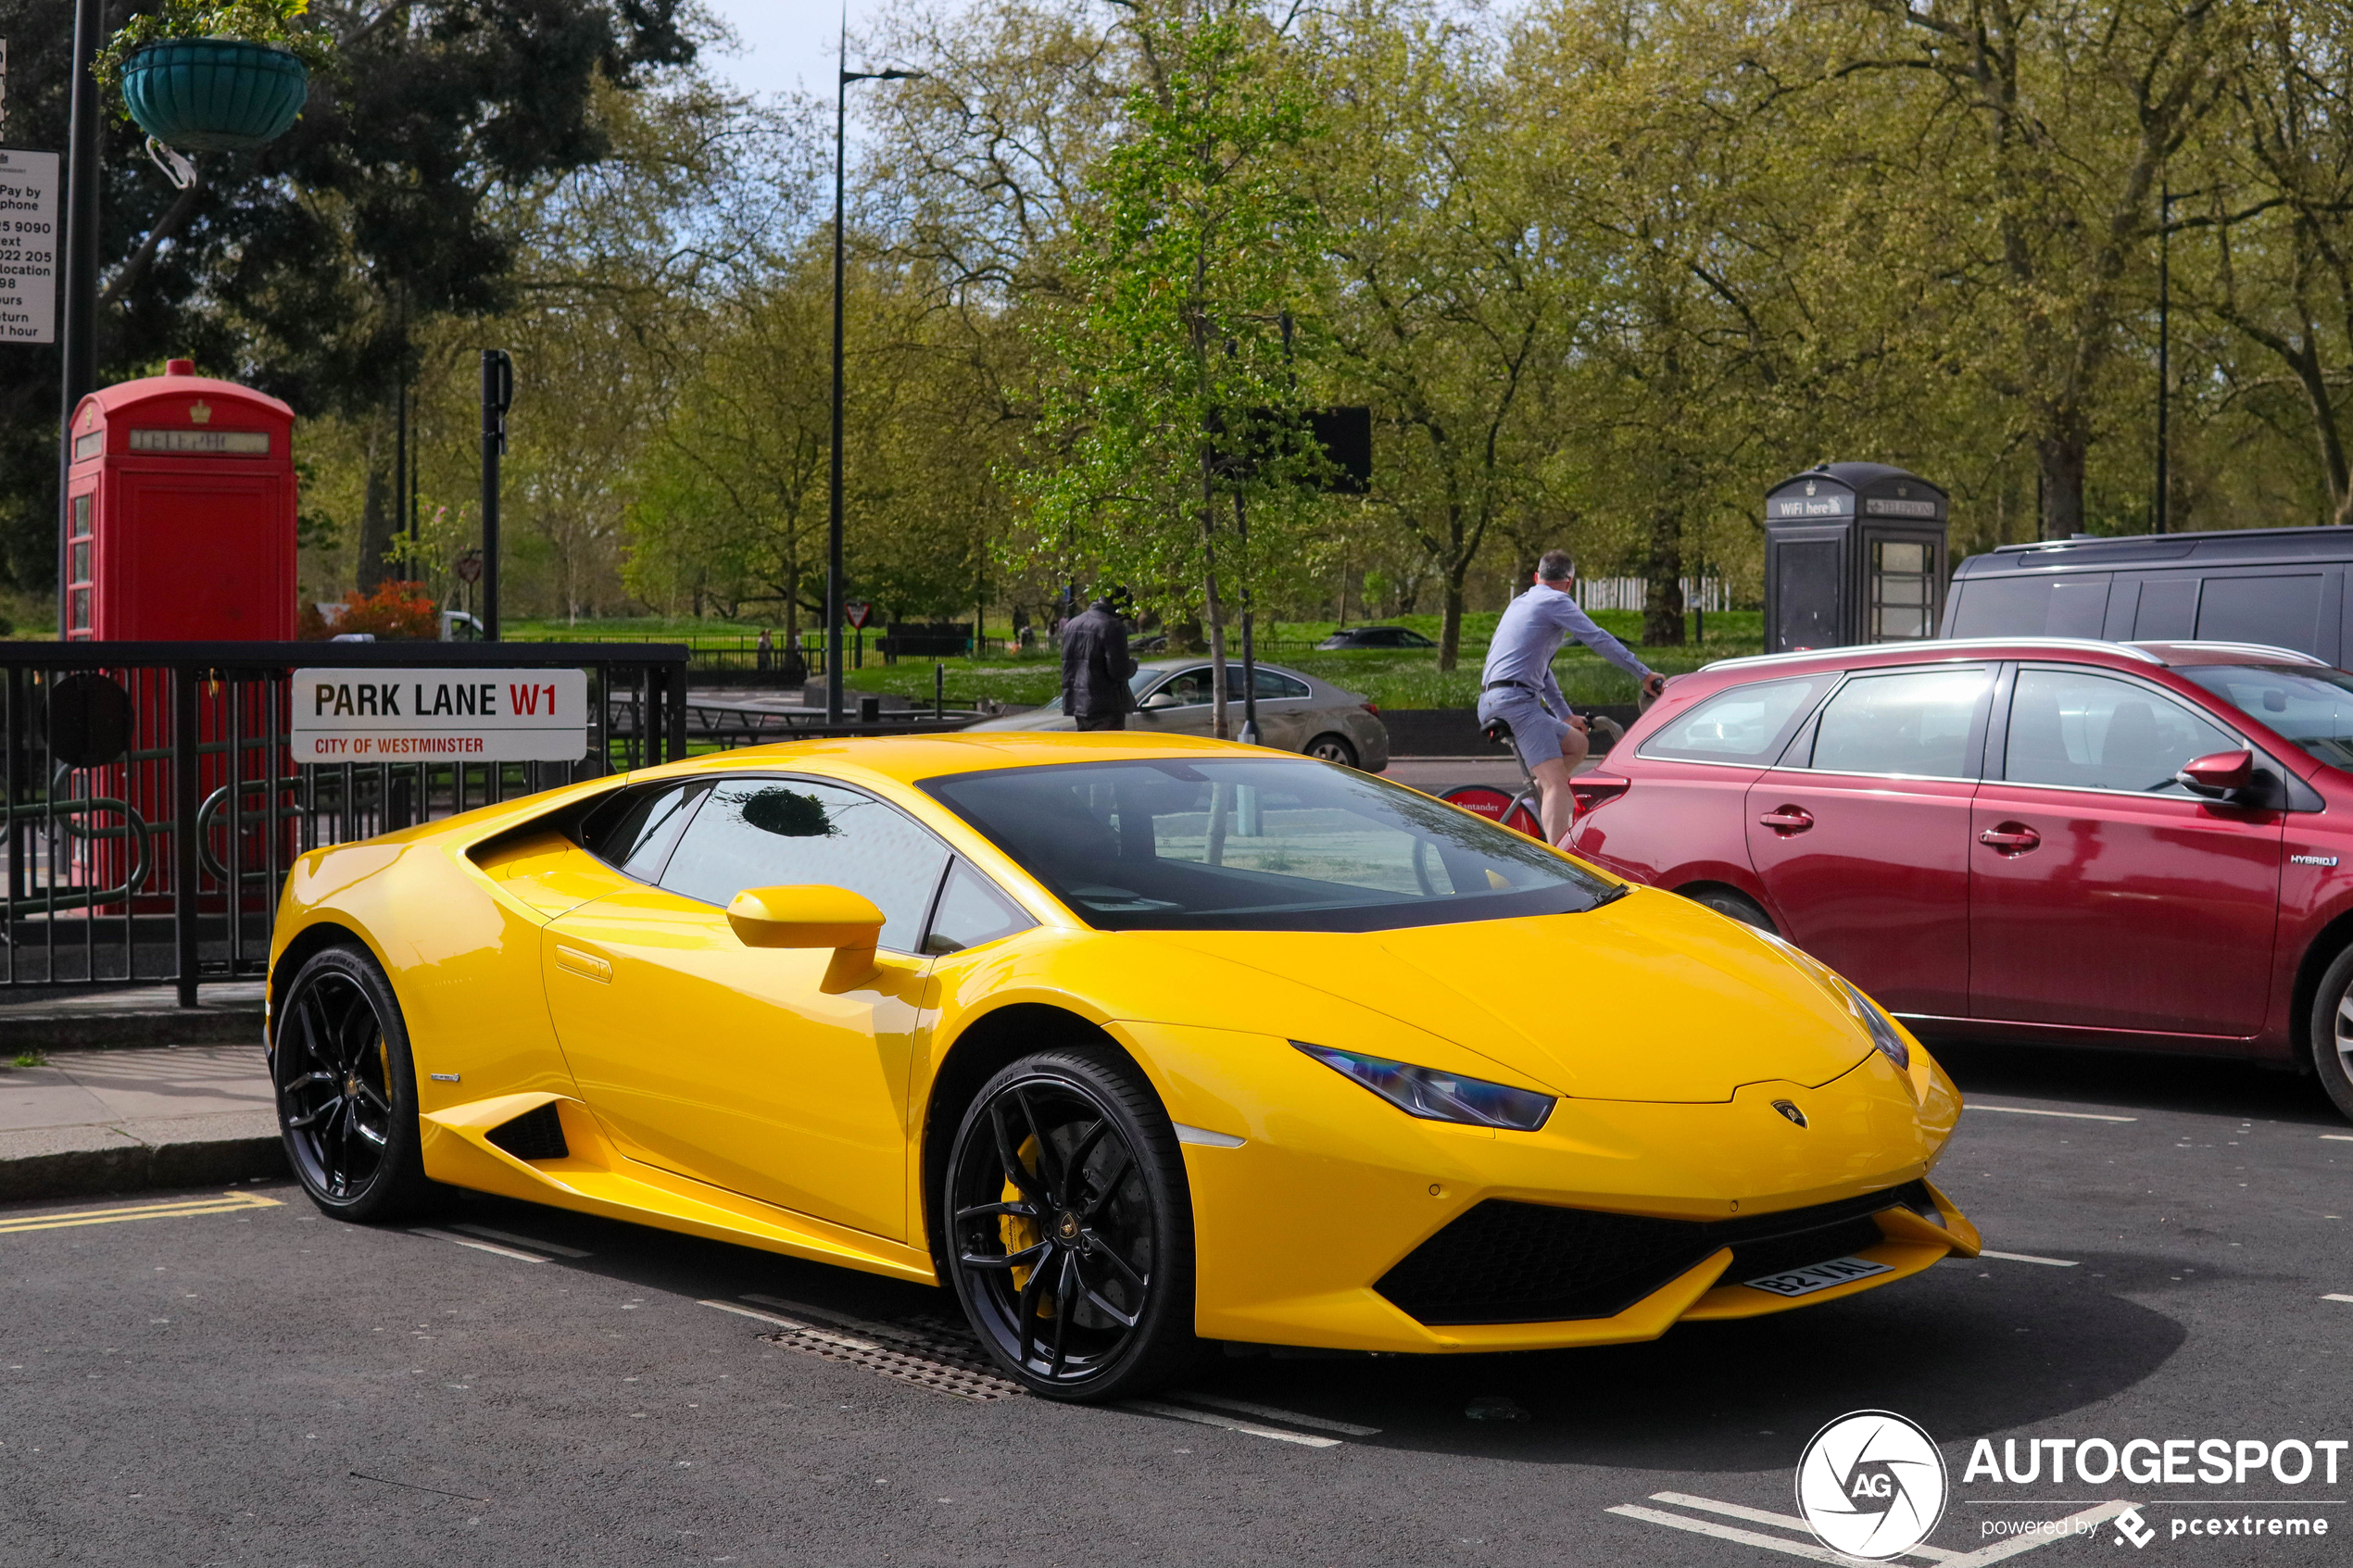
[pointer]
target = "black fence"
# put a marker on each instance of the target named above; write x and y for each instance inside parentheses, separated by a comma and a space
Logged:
(153, 807)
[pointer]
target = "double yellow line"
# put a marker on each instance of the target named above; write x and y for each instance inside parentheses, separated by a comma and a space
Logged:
(227, 1203)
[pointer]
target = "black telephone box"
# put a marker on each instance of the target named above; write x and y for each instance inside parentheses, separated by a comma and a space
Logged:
(1853, 553)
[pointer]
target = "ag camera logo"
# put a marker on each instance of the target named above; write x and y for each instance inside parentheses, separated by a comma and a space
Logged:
(1871, 1484)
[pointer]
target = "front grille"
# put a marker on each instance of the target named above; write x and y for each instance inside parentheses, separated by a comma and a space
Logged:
(535, 1135)
(1504, 1261)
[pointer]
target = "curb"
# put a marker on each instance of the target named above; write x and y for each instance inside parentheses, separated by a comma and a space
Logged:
(124, 1157)
(128, 1030)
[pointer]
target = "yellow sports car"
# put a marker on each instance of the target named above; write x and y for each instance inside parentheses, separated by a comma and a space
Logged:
(1134, 1041)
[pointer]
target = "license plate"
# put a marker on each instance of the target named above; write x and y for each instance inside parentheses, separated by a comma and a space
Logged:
(1819, 1276)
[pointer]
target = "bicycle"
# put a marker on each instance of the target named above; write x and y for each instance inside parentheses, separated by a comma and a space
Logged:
(1518, 810)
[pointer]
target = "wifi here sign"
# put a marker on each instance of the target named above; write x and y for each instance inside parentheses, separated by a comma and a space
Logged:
(440, 715)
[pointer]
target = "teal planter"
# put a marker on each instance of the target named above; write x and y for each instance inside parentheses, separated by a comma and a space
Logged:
(214, 94)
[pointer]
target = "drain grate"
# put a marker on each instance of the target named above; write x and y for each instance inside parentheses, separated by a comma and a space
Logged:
(928, 1352)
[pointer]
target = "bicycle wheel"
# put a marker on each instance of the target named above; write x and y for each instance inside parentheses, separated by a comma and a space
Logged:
(1496, 806)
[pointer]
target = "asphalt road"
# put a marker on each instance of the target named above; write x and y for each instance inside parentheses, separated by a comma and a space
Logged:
(242, 1381)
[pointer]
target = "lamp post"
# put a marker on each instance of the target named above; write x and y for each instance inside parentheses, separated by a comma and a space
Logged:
(833, 584)
(2164, 356)
(78, 266)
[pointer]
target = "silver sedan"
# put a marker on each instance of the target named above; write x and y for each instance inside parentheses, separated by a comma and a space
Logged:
(1296, 713)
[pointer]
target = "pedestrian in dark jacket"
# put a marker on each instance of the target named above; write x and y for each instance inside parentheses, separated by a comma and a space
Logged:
(1095, 665)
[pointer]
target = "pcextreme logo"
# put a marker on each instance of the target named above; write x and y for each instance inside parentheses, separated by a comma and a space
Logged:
(1871, 1484)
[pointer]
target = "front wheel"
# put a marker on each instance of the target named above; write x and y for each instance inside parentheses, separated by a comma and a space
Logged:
(347, 1092)
(1331, 747)
(1070, 1230)
(2332, 1031)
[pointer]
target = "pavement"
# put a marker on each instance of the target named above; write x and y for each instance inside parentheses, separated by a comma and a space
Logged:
(122, 1121)
(72, 1019)
(224, 1375)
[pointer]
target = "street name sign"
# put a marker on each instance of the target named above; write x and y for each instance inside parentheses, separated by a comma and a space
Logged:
(29, 230)
(440, 715)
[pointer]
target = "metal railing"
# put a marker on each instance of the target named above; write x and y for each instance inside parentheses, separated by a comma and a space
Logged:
(107, 748)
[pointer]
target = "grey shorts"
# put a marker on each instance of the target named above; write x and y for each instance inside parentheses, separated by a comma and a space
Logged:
(1537, 736)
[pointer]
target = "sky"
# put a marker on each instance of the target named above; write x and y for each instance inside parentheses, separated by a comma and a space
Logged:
(784, 45)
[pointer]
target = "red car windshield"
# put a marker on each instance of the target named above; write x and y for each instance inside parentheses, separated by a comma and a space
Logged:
(2308, 703)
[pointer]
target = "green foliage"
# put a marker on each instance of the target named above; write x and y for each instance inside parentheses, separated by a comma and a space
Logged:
(281, 23)
(1175, 389)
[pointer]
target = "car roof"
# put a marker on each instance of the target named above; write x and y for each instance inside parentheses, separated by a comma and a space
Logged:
(910, 759)
(2167, 654)
(1233, 662)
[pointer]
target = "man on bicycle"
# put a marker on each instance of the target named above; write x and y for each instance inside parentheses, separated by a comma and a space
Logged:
(1518, 688)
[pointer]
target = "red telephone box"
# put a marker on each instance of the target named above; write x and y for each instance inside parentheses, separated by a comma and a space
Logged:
(181, 513)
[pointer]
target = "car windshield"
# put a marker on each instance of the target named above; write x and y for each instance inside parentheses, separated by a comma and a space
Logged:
(1140, 680)
(2308, 703)
(1250, 845)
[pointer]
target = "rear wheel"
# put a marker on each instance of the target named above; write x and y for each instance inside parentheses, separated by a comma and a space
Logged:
(1728, 902)
(1495, 805)
(347, 1091)
(1333, 748)
(1070, 1231)
(2332, 1030)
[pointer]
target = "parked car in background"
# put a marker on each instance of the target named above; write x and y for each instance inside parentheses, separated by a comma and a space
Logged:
(1373, 637)
(2027, 838)
(1296, 713)
(2280, 586)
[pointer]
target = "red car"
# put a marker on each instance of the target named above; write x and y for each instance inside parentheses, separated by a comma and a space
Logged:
(2030, 838)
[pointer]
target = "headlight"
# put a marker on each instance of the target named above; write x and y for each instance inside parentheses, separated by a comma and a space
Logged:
(1438, 1096)
(1891, 1044)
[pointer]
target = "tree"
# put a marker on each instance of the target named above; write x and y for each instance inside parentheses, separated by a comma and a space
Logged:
(1178, 397)
(307, 268)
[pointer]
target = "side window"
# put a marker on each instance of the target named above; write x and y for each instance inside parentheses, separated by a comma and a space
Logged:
(972, 911)
(1190, 687)
(1745, 724)
(1271, 684)
(2094, 732)
(765, 833)
(1914, 722)
(2283, 611)
(632, 830)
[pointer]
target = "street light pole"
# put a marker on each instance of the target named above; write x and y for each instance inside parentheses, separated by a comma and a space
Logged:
(2164, 355)
(834, 588)
(78, 342)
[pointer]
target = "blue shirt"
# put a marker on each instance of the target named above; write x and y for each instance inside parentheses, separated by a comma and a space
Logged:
(1530, 632)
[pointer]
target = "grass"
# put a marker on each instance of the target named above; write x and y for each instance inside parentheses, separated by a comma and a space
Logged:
(1393, 678)
(31, 1059)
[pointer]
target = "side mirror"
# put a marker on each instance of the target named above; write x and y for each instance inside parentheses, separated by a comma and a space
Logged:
(1163, 699)
(2218, 775)
(812, 915)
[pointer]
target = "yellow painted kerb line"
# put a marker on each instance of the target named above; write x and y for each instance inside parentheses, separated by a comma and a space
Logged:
(228, 1202)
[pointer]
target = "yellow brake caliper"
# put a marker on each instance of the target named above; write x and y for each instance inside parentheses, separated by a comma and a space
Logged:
(1020, 1232)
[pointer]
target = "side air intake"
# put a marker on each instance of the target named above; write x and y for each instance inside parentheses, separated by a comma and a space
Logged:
(535, 1135)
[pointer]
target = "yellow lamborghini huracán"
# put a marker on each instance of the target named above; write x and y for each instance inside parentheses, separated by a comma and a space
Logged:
(1135, 1042)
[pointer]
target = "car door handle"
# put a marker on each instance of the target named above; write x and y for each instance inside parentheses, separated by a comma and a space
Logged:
(2010, 838)
(588, 966)
(1786, 819)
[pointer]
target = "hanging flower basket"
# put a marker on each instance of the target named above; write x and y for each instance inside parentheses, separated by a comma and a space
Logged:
(214, 94)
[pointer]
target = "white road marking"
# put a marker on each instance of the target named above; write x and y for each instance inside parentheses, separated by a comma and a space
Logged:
(1729, 1533)
(478, 1245)
(2030, 1258)
(2336, 1138)
(1759, 1516)
(750, 1312)
(1814, 1552)
(1179, 1413)
(510, 1238)
(1243, 1407)
(840, 1320)
(2029, 1111)
(2337, 1297)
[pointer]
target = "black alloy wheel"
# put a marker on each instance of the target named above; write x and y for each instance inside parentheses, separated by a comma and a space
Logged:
(1732, 904)
(1069, 1227)
(1333, 747)
(2332, 1031)
(347, 1092)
